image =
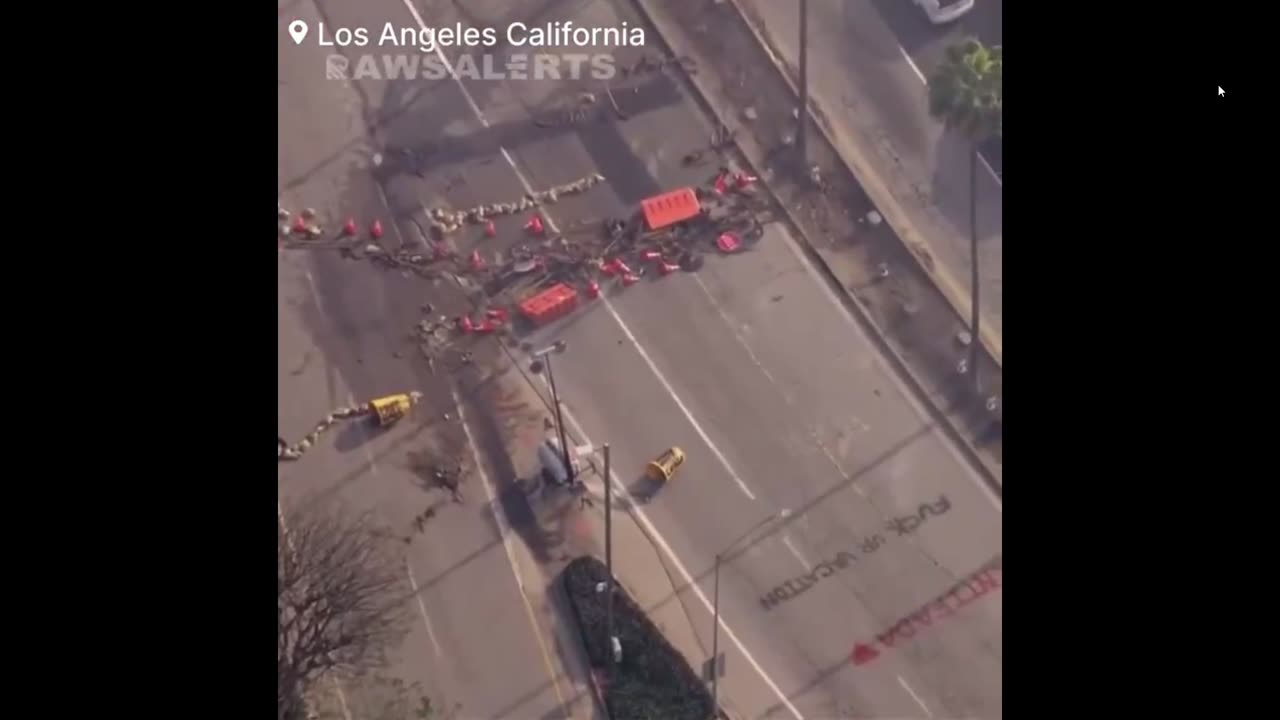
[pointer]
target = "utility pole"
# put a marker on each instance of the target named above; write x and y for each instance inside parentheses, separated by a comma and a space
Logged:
(802, 132)
(544, 356)
(715, 644)
(608, 554)
(555, 398)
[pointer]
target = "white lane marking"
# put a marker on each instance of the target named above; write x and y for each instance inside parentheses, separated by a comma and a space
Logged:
(786, 397)
(422, 608)
(893, 376)
(706, 440)
(342, 698)
(912, 64)
(504, 529)
(621, 491)
(914, 696)
(924, 81)
(786, 540)
(528, 187)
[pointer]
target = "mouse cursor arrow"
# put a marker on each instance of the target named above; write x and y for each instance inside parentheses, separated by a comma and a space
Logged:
(1221, 92)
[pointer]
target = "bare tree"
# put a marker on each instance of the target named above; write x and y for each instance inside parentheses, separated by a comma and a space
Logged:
(342, 599)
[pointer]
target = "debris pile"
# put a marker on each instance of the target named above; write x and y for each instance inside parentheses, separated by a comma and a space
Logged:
(450, 221)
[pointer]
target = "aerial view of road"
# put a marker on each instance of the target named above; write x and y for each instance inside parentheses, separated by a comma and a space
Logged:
(862, 552)
(869, 63)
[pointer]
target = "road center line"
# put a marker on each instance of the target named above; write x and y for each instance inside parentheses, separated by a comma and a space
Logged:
(914, 696)
(422, 608)
(912, 63)
(786, 540)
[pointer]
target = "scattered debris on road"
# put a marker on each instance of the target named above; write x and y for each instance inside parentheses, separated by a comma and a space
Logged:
(387, 409)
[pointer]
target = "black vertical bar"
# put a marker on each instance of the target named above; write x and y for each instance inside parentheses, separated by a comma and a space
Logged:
(802, 133)
(715, 644)
(608, 552)
(555, 398)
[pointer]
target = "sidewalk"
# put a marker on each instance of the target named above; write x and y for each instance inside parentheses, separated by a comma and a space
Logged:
(874, 109)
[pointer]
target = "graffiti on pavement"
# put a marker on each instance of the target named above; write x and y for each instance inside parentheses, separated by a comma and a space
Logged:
(798, 585)
(910, 523)
(903, 525)
(965, 592)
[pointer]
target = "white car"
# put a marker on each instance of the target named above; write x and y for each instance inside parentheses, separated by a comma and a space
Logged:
(941, 12)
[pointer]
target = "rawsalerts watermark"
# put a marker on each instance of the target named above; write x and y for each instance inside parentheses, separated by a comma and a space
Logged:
(518, 66)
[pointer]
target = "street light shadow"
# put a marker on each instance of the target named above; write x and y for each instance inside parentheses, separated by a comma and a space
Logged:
(643, 489)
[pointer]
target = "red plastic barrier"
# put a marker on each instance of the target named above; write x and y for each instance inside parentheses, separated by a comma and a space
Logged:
(549, 305)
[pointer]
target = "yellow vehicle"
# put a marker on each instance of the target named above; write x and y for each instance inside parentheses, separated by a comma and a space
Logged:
(665, 465)
(391, 408)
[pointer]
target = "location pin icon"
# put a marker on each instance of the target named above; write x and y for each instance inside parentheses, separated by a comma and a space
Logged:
(298, 30)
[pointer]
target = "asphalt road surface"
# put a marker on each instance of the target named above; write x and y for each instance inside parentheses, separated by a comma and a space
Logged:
(869, 60)
(475, 645)
(749, 365)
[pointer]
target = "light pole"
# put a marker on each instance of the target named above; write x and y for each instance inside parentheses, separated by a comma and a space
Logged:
(715, 604)
(802, 133)
(542, 358)
(608, 556)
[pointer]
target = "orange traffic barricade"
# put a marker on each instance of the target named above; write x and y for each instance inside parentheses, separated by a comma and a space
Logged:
(670, 208)
(549, 305)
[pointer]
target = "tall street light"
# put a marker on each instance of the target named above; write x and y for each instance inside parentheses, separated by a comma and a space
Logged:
(715, 628)
(542, 358)
(802, 133)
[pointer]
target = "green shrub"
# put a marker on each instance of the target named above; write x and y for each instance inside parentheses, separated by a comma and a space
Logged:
(653, 681)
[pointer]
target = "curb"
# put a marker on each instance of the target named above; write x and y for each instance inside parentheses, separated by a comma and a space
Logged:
(860, 312)
(884, 201)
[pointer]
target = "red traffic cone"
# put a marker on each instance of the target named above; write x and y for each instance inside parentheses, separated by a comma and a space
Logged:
(486, 326)
(629, 279)
(490, 230)
(666, 268)
(465, 324)
(299, 225)
(721, 186)
(593, 290)
(349, 228)
(477, 262)
(497, 315)
(743, 180)
(651, 255)
(611, 268)
(535, 225)
(376, 229)
(622, 267)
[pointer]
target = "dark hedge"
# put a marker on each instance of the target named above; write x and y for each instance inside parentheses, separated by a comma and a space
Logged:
(653, 681)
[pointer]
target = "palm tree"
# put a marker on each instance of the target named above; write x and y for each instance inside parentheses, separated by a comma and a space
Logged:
(966, 93)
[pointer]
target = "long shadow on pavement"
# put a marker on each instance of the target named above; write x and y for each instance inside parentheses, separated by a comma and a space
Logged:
(656, 94)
